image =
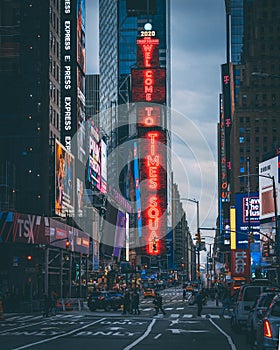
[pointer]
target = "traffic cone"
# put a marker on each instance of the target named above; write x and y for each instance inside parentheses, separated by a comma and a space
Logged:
(1, 311)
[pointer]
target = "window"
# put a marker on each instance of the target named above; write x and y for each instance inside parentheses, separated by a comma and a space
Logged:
(241, 139)
(242, 170)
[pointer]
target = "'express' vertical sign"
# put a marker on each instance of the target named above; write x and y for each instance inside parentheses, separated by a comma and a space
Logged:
(68, 72)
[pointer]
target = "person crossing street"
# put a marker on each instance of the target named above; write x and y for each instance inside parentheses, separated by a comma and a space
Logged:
(158, 304)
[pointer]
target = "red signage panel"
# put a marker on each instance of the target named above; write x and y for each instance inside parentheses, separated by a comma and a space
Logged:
(148, 52)
(240, 263)
(149, 85)
(153, 189)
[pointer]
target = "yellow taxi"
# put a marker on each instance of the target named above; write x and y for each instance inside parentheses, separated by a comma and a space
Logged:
(148, 292)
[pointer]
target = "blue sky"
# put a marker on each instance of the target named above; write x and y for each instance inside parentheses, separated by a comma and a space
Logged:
(197, 52)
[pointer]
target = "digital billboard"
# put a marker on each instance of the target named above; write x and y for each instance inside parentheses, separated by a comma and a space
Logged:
(269, 171)
(120, 234)
(94, 157)
(104, 180)
(246, 219)
(64, 181)
(137, 190)
(148, 85)
(148, 52)
(153, 188)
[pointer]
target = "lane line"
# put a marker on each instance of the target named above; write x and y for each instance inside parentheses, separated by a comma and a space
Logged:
(157, 336)
(148, 331)
(225, 334)
(58, 336)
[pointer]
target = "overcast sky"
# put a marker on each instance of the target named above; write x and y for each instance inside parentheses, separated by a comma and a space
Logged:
(197, 52)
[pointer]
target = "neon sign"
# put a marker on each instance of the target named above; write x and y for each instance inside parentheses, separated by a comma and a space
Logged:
(153, 190)
(149, 116)
(147, 52)
(149, 85)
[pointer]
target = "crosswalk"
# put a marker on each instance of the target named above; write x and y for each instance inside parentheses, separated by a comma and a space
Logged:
(170, 313)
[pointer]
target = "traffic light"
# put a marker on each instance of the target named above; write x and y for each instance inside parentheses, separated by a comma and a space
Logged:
(29, 257)
(198, 238)
(266, 248)
(154, 246)
(251, 237)
(67, 244)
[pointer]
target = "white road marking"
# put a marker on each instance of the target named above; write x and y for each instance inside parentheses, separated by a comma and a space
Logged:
(214, 316)
(157, 336)
(188, 316)
(58, 336)
(233, 347)
(148, 331)
(175, 315)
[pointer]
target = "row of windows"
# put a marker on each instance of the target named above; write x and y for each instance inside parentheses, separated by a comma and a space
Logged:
(54, 69)
(54, 20)
(54, 93)
(54, 117)
(54, 45)
(256, 121)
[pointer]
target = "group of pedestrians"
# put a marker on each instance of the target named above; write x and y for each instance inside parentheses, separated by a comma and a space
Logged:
(131, 303)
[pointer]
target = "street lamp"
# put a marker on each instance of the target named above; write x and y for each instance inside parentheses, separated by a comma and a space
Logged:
(198, 231)
(264, 75)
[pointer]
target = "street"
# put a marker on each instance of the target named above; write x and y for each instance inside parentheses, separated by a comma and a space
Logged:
(108, 330)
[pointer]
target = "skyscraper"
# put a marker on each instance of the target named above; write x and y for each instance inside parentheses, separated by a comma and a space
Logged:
(120, 24)
(30, 103)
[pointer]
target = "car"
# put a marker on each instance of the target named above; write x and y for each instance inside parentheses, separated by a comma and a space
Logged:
(267, 334)
(106, 300)
(257, 313)
(148, 292)
(246, 298)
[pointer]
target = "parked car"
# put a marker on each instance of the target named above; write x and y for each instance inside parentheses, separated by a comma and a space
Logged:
(106, 300)
(257, 313)
(267, 334)
(246, 298)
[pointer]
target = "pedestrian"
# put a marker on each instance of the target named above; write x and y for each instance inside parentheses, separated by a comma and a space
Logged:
(47, 305)
(217, 297)
(184, 294)
(53, 298)
(126, 303)
(158, 304)
(199, 301)
(226, 300)
(135, 303)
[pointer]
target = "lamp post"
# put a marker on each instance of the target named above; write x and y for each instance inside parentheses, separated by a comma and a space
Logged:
(198, 231)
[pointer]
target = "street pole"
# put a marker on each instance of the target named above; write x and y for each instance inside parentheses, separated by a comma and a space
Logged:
(199, 242)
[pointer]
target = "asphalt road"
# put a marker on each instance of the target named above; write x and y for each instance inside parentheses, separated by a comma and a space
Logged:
(180, 327)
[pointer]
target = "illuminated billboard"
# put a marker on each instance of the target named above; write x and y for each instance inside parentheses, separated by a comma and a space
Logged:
(153, 188)
(137, 190)
(148, 85)
(104, 180)
(268, 171)
(148, 52)
(247, 220)
(64, 180)
(94, 157)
